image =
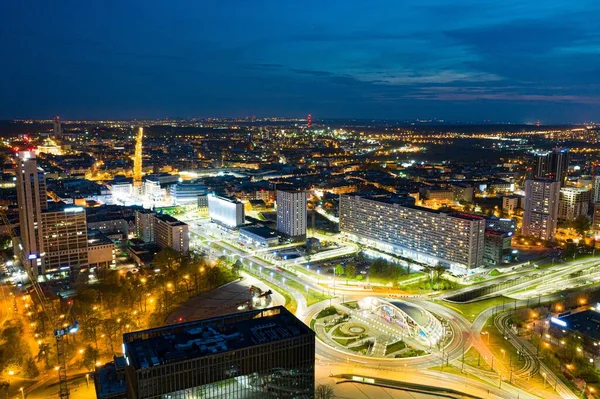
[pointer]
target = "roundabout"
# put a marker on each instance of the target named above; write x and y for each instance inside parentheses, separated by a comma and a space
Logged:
(380, 329)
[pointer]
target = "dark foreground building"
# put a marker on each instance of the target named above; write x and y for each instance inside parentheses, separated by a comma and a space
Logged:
(265, 353)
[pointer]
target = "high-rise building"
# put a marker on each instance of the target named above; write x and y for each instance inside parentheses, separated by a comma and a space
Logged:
(163, 230)
(256, 354)
(32, 201)
(541, 208)
(596, 189)
(172, 233)
(54, 236)
(226, 211)
(144, 225)
(291, 214)
(497, 246)
(455, 240)
(573, 202)
(137, 158)
(553, 165)
(57, 128)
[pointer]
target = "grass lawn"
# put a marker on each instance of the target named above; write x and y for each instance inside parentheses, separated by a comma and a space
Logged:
(472, 309)
(311, 296)
(360, 347)
(396, 346)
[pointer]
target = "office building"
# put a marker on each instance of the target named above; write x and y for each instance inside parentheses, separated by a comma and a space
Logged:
(256, 354)
(57, 128)
(64, 238)
(541, 208)
(259, 236)
(496, 246)
(101, 250)
(32, 201)
(225, 211)
(455, 240)
(172, 233)
(291, 214)
(553, 165)
(162, 230)
(187, 192)
(500, 224)
(573, 202)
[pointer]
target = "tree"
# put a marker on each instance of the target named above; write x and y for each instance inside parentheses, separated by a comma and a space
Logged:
(581, 224)
(31, 370)
(350, 270)
(236, 267)
(438, 271)
(43, 353)
(324, 392)
(338, 270)
(89, 357)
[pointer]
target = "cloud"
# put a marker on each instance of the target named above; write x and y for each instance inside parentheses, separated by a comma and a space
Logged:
(415, 78)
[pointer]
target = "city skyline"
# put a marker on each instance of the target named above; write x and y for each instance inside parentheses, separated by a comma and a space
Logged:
(507, 62)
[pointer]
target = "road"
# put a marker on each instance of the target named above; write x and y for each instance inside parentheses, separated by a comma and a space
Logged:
(466, 334)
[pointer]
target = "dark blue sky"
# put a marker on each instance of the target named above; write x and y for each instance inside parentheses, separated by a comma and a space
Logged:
(505, 60)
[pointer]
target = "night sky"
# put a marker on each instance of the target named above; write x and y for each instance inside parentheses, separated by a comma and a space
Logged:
(502, 60)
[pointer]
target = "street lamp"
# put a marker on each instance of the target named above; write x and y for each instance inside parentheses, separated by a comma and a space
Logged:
(503, 354)
(22, 392)
(488, 336)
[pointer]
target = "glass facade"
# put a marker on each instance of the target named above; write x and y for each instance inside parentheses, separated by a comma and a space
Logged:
(257, 354)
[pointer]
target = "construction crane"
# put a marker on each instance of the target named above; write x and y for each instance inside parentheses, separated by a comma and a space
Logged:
(62, 329)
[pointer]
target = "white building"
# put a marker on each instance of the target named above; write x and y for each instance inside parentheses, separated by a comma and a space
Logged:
(226, 211)
(291, 213)
(541, 208)
(187, 192)
(573, 202)
(172, 233)
(455, 240)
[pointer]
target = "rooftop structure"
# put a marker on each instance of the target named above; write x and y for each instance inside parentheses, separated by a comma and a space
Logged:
(201, 354)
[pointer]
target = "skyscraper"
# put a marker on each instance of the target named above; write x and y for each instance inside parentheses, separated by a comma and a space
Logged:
(291, 213)
(553, 165)
(541, 208)
(32, 200)
(57, 128)
(137, 158)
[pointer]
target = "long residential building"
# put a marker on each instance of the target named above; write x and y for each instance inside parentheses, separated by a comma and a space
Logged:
(455, 240)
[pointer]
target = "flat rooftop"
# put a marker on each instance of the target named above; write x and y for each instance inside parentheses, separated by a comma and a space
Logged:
(170, 219)
(192, 340)
(263, 232)
(586, 322)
